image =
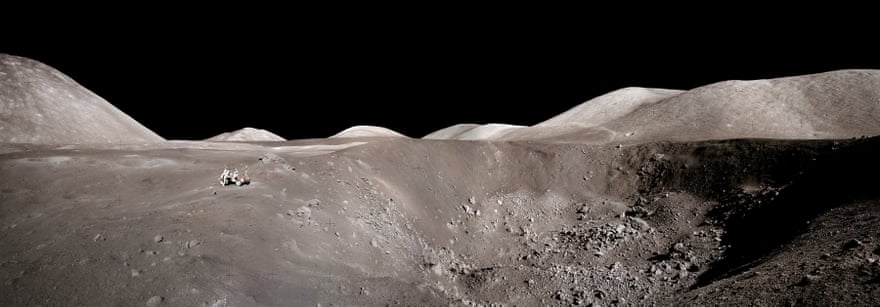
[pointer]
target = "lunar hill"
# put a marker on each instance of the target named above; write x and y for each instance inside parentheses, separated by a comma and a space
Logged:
(41, 105)
(569, 217)
(836, 104)
(365, 131)
(247, 134)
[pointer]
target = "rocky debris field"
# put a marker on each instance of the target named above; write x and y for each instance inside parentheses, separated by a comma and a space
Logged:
(418, 222)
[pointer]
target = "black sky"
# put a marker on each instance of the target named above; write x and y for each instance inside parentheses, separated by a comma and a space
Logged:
(300, 77)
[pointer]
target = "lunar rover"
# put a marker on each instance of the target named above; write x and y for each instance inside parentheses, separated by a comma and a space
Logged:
(233, 177)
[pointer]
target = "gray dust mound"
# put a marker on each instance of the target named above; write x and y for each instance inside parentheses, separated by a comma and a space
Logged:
(367, 131)
(247, 134)
(40, 105)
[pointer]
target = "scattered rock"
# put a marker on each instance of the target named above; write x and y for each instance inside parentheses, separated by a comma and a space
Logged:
(158, 238)
(135, 273)
(313, 203)
(639, 224)
(579, 296)
(193, 243)
(808, 279)
(679, 247)
(614, 266)
(155, 301)
(275, 159)
(373, 243)
(437, 269)
(524, 230)
(98, 237)
(303, 212)
(853, 243)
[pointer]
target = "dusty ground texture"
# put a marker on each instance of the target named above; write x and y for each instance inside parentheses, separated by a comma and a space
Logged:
(418, 222)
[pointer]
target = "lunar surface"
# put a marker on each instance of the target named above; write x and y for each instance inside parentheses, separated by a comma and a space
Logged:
(736, 193)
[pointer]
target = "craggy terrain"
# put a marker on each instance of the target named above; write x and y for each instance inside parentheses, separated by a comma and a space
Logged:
(415, 222)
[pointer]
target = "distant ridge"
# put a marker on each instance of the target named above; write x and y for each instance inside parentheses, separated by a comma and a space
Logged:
(830, 105)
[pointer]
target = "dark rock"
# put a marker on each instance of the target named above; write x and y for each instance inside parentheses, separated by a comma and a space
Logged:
(808, 279)
(853, 243)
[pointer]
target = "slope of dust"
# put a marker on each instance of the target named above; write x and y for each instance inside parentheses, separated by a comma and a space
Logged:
(39, 104)
(247, 134)
(451, 132)
(610, 106)
(367, 131)
(419, 222)
(473, 132)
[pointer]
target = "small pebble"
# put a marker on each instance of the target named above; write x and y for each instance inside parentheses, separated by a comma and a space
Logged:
(154, 301)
